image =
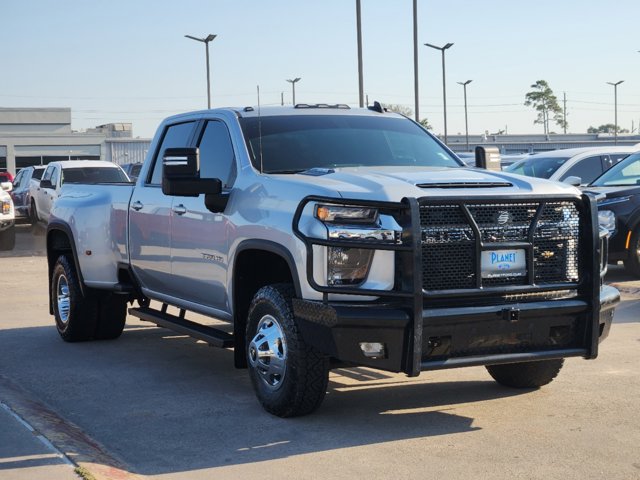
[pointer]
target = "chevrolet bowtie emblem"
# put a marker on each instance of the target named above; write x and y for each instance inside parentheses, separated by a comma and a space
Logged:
(503, 217)
(547, 255)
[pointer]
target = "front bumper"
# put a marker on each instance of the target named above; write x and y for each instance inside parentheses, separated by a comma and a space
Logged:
(6, 224)
(458, 336)
(425, 325)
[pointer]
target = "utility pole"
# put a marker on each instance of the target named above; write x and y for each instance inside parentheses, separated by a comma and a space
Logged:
(359, 33)
(282, 99)
(415, 59)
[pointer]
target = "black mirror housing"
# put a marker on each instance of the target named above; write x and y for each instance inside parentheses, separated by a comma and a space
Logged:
(46, 184)
(181, 163)
(488, 158)
(181, 174)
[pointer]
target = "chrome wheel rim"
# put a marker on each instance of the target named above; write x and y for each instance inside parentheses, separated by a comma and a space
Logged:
(63, 298)
(268, 352)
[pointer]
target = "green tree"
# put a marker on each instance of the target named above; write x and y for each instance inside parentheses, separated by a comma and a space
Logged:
(407, 112)
(543, 100)
(401, 109)
(607, 128)
(425, 123)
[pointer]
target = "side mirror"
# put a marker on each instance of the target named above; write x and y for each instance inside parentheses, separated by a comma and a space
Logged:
(488, 157)
(181, 174)
(6, 186)
(46, 184)
(572, 180)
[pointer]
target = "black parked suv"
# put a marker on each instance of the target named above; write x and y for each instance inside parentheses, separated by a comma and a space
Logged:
(619, 210)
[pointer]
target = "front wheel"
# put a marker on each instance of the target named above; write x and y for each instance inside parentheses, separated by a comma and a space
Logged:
(632, 263)
(526, 374)
(8, 238)
(289, 376)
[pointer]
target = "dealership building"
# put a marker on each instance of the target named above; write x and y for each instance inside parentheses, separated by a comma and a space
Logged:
(37, 136)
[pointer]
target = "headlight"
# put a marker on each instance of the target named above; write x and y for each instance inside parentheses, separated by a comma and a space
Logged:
(348, 266)
(346, 215)
(607, 219)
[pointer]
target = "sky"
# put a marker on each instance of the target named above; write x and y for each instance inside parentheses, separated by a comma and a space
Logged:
(128, 60)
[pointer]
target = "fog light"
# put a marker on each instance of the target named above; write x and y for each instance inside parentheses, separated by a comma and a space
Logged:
(607, 219)
(372, 349)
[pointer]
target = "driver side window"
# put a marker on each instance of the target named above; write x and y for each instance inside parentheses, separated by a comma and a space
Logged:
(588, 169)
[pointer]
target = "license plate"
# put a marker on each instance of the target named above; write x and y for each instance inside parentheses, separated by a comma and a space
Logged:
(503, 263)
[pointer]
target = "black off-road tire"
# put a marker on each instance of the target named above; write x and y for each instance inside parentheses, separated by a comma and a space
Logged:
(526, 374)
(303, 385)
(33, 213)
(8, 238)
(632, 263)
(112, 316)
(77, 322)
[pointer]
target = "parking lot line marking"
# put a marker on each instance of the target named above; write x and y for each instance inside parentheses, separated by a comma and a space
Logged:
(61, 435)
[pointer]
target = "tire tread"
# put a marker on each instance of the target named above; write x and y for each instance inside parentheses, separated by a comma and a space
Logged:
(526, 374)
(307, 367)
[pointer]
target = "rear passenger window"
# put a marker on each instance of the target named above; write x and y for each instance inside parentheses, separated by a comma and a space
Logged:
(17, 181)
(175, 136)
(588, 169)
(216, 154)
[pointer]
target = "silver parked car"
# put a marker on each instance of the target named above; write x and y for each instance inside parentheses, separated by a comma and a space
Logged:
(583, 164)
(21, 193)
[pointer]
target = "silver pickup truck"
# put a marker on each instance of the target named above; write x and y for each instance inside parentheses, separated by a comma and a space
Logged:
(327, 236)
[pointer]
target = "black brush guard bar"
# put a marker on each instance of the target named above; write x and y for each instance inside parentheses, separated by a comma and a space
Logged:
(408, 289)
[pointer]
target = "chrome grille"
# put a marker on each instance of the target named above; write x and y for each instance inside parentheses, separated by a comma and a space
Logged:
(450, 243)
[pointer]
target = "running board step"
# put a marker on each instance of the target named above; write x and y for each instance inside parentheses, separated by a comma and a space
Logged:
(212, 336)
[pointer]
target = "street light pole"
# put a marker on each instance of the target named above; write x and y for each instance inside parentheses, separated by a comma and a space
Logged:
(466, 123)
(206, 41)
(444, 83)
(293, 88)
(615, 103)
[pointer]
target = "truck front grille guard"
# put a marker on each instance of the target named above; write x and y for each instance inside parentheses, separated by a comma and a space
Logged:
(409, 288)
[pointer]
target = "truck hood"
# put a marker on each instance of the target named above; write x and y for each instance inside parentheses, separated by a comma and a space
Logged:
(395, 183)
(613, 191)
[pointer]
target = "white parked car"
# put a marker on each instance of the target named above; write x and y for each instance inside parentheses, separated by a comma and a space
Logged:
(45, 193)
(583, 164)
(7, 218)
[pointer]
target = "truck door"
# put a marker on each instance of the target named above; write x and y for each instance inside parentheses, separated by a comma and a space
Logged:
(49, 195)
(199, 238)
(150, 217)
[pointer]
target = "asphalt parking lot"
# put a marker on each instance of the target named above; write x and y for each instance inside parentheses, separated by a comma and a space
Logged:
(159, 405)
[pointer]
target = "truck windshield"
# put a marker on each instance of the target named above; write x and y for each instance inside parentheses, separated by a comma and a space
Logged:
(541, 167)
(93, 175)
(296, 143)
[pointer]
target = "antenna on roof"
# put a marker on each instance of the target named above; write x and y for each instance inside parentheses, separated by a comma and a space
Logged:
(259, 129)
(377, 107)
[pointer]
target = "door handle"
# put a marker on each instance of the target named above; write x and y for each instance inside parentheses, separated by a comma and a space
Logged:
(137, 205)
(180, 209)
